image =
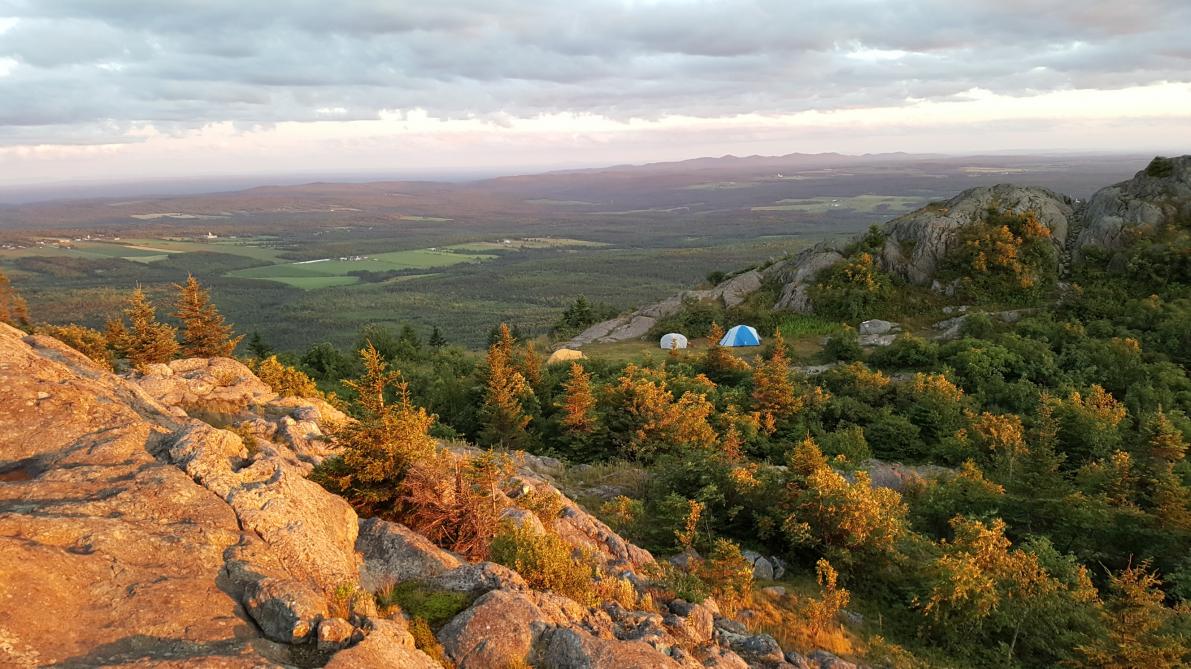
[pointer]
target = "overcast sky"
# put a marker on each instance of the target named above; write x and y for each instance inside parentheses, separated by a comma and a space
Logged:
(134, 88)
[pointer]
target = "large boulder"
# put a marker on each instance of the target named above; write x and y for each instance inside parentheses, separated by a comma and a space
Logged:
(1158, 194)
(500, 628)
(578, 649)
(799, 273)
(393, 553)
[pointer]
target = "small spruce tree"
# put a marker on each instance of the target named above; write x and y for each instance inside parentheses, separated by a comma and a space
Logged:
(774, 395)
(204, 333)
(257, 346)
(503, 415)
(718, 361)
(144, 340)
(380, 447)
(578, 407)
(437, 340)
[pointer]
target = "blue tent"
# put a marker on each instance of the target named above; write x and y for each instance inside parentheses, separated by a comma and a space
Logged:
(741, 335)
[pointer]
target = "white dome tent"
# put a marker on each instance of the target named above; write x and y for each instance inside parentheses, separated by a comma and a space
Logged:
(672, 340)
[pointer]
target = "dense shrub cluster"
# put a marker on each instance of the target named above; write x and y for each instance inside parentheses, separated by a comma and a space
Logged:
(1005, 257)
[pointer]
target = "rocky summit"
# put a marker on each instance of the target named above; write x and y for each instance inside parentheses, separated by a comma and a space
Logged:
(135, 531)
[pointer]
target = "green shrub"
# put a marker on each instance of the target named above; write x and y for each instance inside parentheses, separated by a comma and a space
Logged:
(434, 605)
(852, 290)
(848, 442)
(893, 436)
(678, 583)
(843, 346)
(906, 352)
(545, 561)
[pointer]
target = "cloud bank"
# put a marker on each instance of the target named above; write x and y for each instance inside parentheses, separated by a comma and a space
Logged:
(85, 73)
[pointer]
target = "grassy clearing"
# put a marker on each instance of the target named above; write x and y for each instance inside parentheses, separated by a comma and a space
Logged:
(309, 275)
(865, 204)
(247, 248)
(315, 282)
(723, 185)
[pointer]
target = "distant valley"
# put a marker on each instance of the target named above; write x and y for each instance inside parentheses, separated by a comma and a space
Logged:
(318, 261)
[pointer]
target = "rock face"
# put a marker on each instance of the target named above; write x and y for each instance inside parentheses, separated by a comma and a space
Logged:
(797, 274)
(1158, 194)
(98, 530)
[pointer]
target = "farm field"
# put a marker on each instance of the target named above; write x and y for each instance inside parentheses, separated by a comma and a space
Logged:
(312, 274)
(867, 204)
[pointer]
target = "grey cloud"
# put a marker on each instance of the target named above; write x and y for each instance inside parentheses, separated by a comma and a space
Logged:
(92, 69)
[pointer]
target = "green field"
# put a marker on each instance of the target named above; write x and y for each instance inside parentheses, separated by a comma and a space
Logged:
(866, 204)
(86, 249)
(312, 274)
(257, 249)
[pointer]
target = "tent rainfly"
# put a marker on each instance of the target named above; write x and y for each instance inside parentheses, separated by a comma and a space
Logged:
(741, 335)
(564, 355)
(672, 340)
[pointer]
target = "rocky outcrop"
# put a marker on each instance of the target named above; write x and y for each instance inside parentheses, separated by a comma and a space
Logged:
(224, 392)
(94, 528)
(917, 242)
(798, 274)
(1159, 194)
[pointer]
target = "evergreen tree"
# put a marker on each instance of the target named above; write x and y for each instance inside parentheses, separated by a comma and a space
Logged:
(381, 337)
(204, 333)
(718, 361)
(529, 363)
(503, 331)
(1141, 630)
(13, 309)
(1164, 449)
(503, 414)
(409, 341)
(437, 340)
(1164, 442)
(578, 407)
(257, 346)
(380, 447)
(144, 340)
(774, 395)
